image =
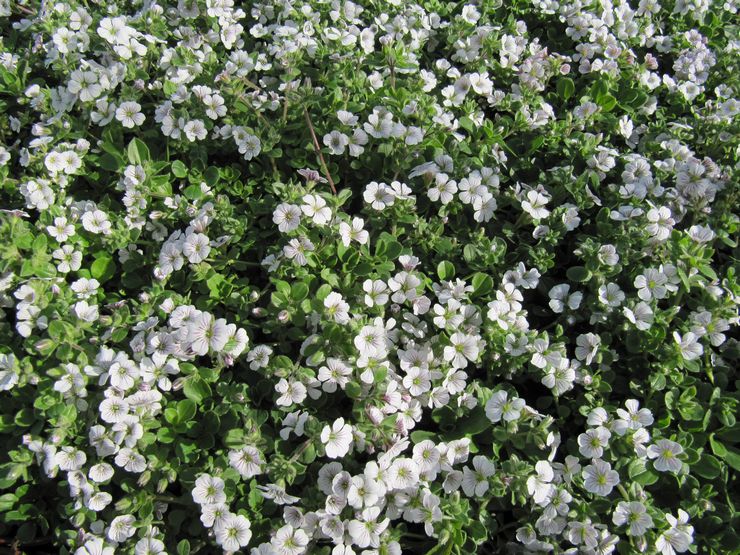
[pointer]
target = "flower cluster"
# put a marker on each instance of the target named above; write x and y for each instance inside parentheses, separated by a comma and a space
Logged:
(369, 278)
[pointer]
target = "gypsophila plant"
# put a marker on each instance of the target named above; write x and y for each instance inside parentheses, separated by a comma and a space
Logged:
(372, 278)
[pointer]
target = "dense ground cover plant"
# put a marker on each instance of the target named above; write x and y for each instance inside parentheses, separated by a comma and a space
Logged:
(380, 277)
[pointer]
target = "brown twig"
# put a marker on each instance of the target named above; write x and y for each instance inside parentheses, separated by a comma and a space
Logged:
(317, 148)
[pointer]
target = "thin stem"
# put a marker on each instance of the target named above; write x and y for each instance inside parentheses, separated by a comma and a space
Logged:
(317, 148)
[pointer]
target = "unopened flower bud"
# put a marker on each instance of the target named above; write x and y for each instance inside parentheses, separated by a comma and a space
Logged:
(283, 316)
(178, 384)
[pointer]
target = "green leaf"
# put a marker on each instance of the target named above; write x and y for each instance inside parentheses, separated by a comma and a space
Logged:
(196, 389)
(566, 87)
(708, 467)
(137, 151)
(186, 410)
(578, 273)
(103, 269)
(446, 270)
(323, 292)
(482, 283)
(179, 169)
(353, 390)
(299, 291)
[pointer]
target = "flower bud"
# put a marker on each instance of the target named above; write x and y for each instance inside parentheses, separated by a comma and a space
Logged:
(283, 317)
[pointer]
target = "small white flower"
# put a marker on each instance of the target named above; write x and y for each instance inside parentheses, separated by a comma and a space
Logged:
(336, 142)
(290, 541)
(315, 207)
(196, 247)
(535, 205)
(599, 478)
(129, 114)
(247, 461)
(500, 406)
(688, 345)
(337, 438)
(287, 217)
(634, 515)
(591, 443)
(475, 482)
(291, 392)
(208, 490)
(355, 232)
(337, 308)
(665, 454)
(121, 528)
(233, 532)
(96, 221)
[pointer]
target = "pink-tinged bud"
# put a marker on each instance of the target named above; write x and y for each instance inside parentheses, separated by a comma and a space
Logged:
(375, 415)
(565, 69)
(258, 312)
(283, 316)
(178, 384)
(55, 289)
(228, 360)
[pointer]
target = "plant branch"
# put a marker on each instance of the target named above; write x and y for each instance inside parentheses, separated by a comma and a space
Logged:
(317, 148)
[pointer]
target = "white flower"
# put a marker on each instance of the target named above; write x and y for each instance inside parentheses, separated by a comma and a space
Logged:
(121, 528)
(633, 514)
(499, 405)
(378, 195)
(69, 459)
(337, 438)
(315, 207)
(651, 284)
(196, 247)
(96, 221)
(539, 486)
(290, 541)
(355, 232)
(366, 532)
(233, 532)
(86, 312)
(99, 501)
(205, 333)
(591, 443)
(375, 292)
(101, 472)
(402, 474)
(336, 142)
(688, 345)
(195, 130)
(337, 308)
(247, 461)
(642, 316)
(633, 418)
(208, 490)
(475, 482)
(287, 217)
(130, 460)
(296, 249)
(372, 342)
(259, 357)
(587, 347)
(149, 546)
(599, 478)
(335, 373)
(129, 114)
(291, 392)
(665, 454)
(444, 189)
(678, 537)
(463, 348)
(113, 409)
(535, 205)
